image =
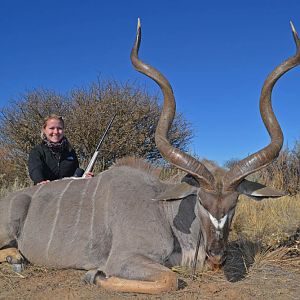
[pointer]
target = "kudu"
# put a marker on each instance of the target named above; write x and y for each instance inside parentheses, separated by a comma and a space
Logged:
(125, 226)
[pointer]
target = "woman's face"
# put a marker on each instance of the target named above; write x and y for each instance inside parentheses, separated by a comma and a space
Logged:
(54, 130)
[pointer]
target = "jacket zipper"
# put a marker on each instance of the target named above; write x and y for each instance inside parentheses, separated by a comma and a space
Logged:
(58, 166)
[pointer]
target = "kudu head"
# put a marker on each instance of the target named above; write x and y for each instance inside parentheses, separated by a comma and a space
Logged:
(218, 189)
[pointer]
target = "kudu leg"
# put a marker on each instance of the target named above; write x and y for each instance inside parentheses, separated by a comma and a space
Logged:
(12, 217)
(164, 282)
(140, 275)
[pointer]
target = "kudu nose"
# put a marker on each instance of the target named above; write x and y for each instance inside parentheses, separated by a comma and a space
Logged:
(216, 256)
(216, 253)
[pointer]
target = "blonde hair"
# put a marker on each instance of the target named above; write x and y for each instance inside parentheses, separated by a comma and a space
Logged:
(51, 117)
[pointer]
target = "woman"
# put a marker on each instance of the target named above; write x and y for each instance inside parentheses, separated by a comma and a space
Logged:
(54, 158)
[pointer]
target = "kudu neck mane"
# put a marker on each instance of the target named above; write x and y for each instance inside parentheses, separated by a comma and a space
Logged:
(141, 164)
(137, 163)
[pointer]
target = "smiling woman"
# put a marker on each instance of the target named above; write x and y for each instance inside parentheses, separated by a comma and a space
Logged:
(54, 158)
(53, 129)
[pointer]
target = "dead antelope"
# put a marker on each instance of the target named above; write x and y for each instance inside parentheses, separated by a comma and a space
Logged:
(125, 226)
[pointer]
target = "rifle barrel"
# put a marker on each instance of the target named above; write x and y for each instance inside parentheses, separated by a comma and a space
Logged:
(93, 160)
(105, 132)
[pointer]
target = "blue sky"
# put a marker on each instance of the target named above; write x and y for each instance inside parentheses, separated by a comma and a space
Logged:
(216, 55)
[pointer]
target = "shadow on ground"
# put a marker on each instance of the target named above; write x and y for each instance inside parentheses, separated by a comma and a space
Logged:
(239, 259)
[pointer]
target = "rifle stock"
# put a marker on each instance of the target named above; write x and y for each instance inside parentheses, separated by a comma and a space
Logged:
(90, 166)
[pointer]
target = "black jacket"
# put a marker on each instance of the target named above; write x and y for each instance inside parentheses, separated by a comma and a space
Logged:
(44, 165)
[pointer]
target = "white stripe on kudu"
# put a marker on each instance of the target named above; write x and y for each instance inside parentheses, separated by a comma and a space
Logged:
(93, 212)
(82, 198)
(26, 219)
(56, 217)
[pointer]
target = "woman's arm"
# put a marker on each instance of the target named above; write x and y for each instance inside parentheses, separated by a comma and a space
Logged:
(36, 166)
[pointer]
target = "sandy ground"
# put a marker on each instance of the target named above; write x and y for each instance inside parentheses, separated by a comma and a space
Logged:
(267, 281)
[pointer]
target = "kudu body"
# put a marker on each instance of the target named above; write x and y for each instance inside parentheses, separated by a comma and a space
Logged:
(125, 226)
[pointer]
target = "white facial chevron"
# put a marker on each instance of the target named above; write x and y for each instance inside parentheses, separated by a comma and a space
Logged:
(219, 224)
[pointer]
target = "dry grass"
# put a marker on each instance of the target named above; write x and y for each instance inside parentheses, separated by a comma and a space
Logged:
(270, 222)
(16, 185)
(278, 257)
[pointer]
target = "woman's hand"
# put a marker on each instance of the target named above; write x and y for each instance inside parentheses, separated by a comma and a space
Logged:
(89, 175)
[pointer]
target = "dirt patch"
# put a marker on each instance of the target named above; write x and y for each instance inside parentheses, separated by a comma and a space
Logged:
(269, 281)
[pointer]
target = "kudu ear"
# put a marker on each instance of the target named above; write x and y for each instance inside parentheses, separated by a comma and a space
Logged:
(176, 192)
(258, 191)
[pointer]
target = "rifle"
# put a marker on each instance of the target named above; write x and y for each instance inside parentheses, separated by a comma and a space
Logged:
(93, 159)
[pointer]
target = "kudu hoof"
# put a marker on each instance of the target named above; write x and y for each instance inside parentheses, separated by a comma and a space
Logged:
(18, 263)
(18, 268)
